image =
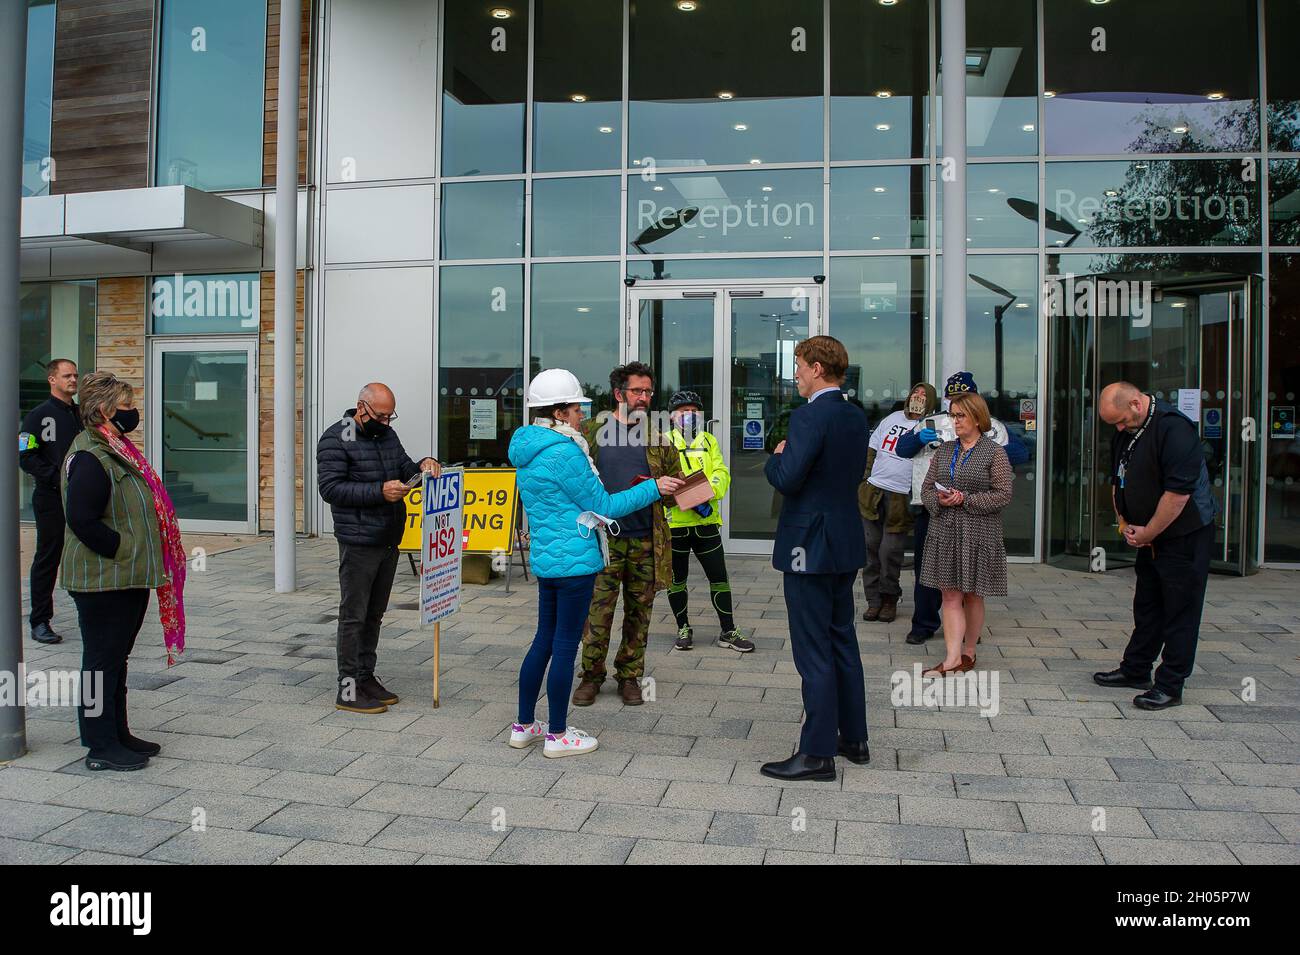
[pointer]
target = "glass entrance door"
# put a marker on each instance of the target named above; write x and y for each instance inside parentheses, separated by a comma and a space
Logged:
(1196, 349)
(734, 345)
(203, 428)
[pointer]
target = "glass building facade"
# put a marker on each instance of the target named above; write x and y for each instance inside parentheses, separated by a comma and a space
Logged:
(501, 187)
(603, 180)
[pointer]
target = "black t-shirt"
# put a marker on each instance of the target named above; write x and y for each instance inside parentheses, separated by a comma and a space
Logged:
(1167, 457)
(47, 432)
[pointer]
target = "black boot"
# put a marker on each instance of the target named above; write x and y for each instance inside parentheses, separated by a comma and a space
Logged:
(134, 743)
(42, 633)
(855, 752)
(799, 766)
(116, 757)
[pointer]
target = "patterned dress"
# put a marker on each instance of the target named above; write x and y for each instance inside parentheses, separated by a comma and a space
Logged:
(964, 549)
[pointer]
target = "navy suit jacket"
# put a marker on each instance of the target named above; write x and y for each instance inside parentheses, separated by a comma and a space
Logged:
(819, 530)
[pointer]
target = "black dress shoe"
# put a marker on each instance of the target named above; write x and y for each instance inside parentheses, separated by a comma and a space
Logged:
(1120, 678)
(855, 752)
(918, 638)
(1156, 699)
(799, 766)
(42, 633)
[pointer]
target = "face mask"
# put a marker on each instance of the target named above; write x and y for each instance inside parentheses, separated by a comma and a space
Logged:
(126, 421)
(374, 429)
(916, 404)
(689, 422)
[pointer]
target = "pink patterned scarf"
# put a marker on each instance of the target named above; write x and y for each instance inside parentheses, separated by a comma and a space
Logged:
(171, 595)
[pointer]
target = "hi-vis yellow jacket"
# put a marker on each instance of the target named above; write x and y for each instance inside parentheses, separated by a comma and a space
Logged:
(701, 454)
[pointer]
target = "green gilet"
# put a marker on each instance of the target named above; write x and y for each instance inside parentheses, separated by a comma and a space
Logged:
(130, 512)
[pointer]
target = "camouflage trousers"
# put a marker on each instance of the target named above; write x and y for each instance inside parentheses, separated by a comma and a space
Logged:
(631, 567)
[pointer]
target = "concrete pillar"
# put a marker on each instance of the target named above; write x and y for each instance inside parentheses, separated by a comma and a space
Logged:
(13, 70)
(952, 168)
(286, 288)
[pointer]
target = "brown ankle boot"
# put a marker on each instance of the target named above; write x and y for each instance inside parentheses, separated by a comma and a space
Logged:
(585, 694)
(631, 692)
(871, 613)
(888, 609)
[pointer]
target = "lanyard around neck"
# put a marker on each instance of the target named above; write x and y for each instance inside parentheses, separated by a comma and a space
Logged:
(1128, 451)
(953, 465)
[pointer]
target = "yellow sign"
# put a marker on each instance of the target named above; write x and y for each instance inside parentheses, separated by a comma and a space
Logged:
(490, 500)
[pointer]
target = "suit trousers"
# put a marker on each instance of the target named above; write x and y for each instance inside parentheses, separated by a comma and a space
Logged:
(1171, 579)
(365, 582)
(825, 649)
(47, 507)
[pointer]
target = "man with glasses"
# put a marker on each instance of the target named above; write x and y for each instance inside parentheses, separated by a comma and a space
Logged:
(364, 473)
(627, 449)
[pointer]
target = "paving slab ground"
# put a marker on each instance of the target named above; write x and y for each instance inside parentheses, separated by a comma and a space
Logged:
(258, 767)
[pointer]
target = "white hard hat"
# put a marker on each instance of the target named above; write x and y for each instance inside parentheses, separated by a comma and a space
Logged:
(555, 386)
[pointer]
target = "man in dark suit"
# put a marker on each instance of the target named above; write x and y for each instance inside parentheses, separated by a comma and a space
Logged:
(819, 547)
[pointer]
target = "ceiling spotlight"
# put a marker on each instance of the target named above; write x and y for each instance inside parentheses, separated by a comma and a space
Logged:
(726, 94)
(882, 126)
(687, 6)
(740, 127)
(1139, 165)
(1022, 304)
(888, 3)
(875, 238)
(1048, 94)
(659, 188)
(755, 162)
(1177, 304)
(583, 308)
(605, 129)
(994, 190)
(579, 97)
(1099, 3)
(767, 188)
(878, 189)
(1214, 96)
(1180, 130)
(502, 13)
(1028, 127)
(883, 94)
(1112, 193)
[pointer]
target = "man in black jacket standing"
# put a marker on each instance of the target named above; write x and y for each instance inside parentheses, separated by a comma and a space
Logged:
(47, 430)
(1165, 509)
(362, 471)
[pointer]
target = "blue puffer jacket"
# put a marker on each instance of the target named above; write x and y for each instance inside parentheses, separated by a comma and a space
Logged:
(556, 484)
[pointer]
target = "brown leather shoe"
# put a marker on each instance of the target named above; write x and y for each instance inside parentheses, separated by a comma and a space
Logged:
(631, 692)
(585, 694)
(888, 609)
(871, 613)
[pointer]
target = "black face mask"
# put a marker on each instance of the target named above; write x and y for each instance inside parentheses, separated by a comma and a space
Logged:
(126, 421)
(375, 429)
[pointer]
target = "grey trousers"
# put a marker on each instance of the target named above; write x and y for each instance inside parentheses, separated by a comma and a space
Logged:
(884, 559)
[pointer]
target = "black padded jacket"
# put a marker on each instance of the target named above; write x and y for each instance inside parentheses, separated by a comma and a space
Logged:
(351, 469)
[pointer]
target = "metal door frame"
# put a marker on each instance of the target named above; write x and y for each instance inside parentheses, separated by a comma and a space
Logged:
(722, 293)
(160, 346)
(1250, 551)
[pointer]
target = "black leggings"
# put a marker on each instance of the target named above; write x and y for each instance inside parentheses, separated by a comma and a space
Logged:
(706, 541)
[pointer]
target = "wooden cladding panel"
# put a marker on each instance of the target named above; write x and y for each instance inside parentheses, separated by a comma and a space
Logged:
(271, 122)
(99, 134)
(120, 345)
(266, 407)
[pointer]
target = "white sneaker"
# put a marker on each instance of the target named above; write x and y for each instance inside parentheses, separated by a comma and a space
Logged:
(571, 743)
(521, 735)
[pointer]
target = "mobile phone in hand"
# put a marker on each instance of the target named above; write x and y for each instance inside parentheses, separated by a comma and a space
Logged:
(940, 488)
(415, 481)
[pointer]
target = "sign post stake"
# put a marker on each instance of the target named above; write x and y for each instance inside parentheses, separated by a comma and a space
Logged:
(437, 627)
(442, 529)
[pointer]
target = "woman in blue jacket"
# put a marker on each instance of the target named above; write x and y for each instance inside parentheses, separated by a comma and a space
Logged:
(563, 498)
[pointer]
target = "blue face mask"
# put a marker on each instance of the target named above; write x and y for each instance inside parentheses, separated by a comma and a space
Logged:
(689, 422)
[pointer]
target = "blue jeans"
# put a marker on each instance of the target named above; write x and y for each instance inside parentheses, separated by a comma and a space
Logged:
(562, 605)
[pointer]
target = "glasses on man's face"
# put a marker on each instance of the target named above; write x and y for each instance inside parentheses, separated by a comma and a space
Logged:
(640, 392)
(382, 418)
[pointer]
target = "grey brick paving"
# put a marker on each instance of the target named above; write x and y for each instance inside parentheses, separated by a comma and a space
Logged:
(253, 749)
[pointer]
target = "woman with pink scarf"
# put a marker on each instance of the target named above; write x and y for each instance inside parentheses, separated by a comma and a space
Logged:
(122, 540)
